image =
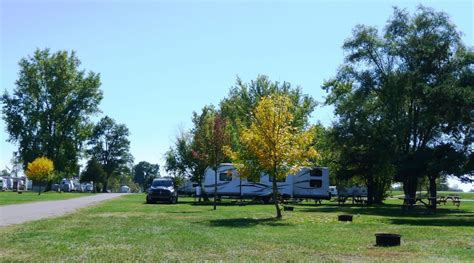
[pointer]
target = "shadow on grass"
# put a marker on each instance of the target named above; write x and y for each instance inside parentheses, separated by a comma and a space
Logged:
(464, 220)
(246, 222)
(388, 210)
(222, 203)
(182, 212)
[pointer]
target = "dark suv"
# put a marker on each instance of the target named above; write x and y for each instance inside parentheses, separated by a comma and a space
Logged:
(162, 189)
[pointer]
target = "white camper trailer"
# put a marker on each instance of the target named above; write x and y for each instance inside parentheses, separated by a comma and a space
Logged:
(310, 183)
(188, 188)
(70, 185)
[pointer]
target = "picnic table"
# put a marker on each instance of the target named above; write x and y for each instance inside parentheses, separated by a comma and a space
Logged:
(359, 199)
(456, 200)
(341, 199)
(429, 201)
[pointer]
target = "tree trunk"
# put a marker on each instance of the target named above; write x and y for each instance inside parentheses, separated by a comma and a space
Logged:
(409, 187)
(215, 187)
(104, 187)
(275, 197)
(370, 190)
(433, 190)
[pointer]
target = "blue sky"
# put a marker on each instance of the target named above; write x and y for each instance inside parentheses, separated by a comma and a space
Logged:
(161, 60)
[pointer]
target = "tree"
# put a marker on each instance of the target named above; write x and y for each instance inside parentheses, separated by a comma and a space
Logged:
(329, 151)
(179, 157)
(48, 112)
(182, 159)
(279, 148)
(144, 173)
(110, 146)
(210, 137)
(243, 98)
(4, 173)
(40, 170)
(410, 87)
(93, 173)
(363, 140)
(443, 160)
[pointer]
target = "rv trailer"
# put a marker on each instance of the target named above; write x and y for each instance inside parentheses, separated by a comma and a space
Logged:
(311, 183)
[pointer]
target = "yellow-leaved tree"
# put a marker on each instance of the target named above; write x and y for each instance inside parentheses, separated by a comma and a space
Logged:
(272, 144)
(40, 170)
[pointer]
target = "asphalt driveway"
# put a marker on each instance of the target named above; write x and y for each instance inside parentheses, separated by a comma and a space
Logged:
(17, 214)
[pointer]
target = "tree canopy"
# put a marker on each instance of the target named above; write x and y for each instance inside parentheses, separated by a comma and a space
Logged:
(109, 145)
(144, 173)
(49, 110)
(278, 146)
(403, 93)
(40, 170)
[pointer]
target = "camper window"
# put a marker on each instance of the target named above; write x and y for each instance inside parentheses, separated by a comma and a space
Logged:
(315, 172)
(270, 178)
(315, 183)
(225, 176)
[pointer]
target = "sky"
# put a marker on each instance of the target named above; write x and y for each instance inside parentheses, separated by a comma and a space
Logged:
(161, 60)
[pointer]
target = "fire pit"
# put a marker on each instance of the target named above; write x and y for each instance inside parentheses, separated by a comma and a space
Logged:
(345, 218)
(387, 240)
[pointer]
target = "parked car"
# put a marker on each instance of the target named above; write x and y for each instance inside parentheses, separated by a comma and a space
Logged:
(124, 189)
(162, 189)
(89, 188)
(56, 188)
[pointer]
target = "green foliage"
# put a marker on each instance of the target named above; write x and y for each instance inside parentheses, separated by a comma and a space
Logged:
(278, 148)
(144, 173)
(210, 137)
(237, 108)
(400, 94)
(4, 173)
(93, 173)
(182, 159)
(48, 112)
(109, 145)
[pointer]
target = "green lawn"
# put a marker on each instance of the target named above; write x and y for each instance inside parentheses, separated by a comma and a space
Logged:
(126, 229)
(9, 198)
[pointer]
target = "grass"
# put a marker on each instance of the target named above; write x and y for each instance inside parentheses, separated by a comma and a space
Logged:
(10, 198)
(126, 229)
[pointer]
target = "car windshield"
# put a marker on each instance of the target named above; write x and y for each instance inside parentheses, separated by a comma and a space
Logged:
(165, 183)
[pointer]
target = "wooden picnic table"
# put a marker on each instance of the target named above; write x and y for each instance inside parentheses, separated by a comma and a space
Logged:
(456, 200)
(359, 199)
(411, 202)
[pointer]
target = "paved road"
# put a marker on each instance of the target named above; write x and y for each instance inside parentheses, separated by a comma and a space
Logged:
(17, 214)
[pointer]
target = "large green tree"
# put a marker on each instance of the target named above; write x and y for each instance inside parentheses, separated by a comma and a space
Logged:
(48, 112)
(409, 89)
(93, 173)
(144, 173)
(237, 108)
(109, 145)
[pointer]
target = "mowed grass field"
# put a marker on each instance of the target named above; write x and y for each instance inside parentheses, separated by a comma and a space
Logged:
(10, 198)
(127, 229)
